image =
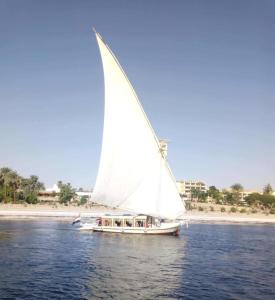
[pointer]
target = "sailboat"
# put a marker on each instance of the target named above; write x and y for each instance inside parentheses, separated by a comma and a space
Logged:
(134, 174)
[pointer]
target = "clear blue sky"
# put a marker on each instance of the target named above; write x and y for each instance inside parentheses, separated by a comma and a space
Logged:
(204, 72)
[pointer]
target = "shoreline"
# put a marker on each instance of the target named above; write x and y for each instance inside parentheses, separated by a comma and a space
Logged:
(42, 212)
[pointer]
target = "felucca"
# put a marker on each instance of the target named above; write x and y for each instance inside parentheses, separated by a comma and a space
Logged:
(134, 174)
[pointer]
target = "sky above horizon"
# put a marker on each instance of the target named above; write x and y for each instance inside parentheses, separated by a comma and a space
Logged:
(204, 72)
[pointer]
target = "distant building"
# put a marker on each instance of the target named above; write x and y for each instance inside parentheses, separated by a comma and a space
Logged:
(47, 196)
(55, 189)
(50, 195)
(186, 186)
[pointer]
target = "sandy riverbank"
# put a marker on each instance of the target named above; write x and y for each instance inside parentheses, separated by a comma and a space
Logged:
(46, 210)
(37, 211)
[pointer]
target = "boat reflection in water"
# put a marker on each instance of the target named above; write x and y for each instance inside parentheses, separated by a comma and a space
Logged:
(136, 266)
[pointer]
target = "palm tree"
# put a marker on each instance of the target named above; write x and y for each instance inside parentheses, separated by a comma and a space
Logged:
(13, 182)
(4, 179)
(268, 189)
(10, 182)
(31, 186)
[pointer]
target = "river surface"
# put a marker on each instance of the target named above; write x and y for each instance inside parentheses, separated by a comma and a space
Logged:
(52, 260)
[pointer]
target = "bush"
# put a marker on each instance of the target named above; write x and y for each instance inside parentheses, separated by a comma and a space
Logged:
(83, 200)
(233, 209)
(31, 199)
(200, 208)
(223, 209)
(243, 210)
(254, 211)
(272, 211)
(212, 208)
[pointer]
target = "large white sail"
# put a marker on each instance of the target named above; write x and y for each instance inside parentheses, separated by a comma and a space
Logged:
(132, 174)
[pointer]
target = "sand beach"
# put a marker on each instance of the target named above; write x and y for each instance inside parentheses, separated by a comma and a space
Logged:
(38, 211)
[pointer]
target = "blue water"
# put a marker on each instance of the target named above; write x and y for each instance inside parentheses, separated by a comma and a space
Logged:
(51, 260)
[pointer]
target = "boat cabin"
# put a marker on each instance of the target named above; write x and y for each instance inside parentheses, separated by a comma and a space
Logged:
(127, 221)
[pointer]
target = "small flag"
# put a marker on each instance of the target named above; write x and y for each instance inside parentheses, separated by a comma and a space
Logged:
(76, 220)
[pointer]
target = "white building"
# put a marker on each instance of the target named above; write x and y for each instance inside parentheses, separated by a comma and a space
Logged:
(55, 189)
(51, 194)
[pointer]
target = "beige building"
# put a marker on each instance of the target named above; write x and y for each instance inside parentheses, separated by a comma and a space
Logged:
(186, 186)
(47, 196)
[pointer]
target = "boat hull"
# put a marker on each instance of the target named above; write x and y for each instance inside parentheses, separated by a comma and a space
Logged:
(165, 229)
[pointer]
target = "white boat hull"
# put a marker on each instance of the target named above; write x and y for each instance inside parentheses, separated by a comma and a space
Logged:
(164, 228)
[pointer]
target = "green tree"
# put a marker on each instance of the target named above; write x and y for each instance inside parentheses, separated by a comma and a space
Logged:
(66, 193)
(268, 190)
(14, 187)
(268, 201)
(11, 184)
(265, 201)
(253, 199)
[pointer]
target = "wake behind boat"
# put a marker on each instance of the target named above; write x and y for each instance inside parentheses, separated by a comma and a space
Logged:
(134, 174)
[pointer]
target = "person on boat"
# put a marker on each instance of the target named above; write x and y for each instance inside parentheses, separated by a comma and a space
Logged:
(118, 223)
(140, 223)
(128, 224)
